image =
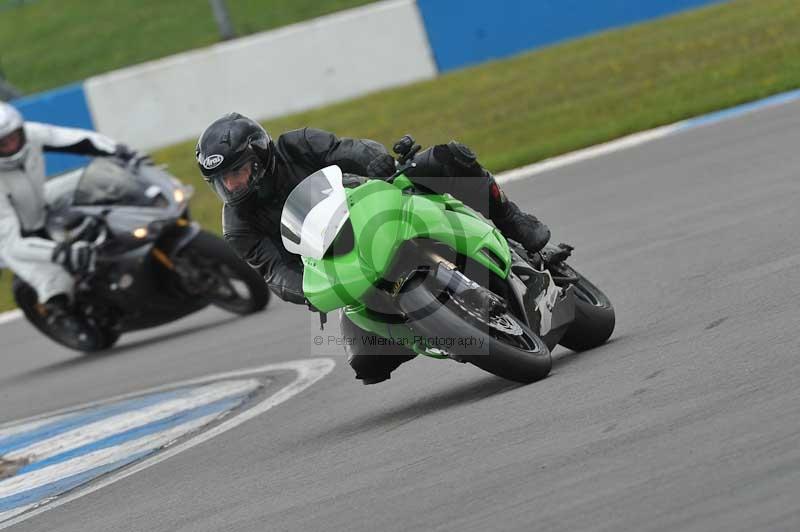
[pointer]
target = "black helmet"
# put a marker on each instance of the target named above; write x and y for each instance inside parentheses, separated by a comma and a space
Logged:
(234, 154)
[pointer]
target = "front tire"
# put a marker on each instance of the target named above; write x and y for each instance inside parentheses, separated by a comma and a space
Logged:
(235, 286)
(521, 357)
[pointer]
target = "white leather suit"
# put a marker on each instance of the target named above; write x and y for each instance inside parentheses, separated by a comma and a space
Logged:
(24, 196)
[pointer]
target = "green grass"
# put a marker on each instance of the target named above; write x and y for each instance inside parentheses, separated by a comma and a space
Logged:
(569, 96)
(49, 43)
(6, 301)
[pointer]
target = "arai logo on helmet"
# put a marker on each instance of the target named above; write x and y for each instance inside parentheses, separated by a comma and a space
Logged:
(212, 161)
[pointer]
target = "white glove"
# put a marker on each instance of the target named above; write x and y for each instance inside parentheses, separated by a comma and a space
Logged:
(77, 258)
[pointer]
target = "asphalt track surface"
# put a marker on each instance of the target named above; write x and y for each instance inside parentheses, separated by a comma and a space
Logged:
(689, 419)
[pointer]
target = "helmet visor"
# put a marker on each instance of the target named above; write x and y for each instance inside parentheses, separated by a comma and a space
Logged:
(234, 184)
(12, 143)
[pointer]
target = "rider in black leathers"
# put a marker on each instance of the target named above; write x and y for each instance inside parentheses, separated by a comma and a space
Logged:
(254, 175)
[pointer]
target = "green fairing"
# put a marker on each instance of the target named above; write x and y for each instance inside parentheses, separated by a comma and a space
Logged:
(383, 217)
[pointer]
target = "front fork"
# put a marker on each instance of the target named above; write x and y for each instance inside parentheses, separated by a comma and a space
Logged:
(170, 244)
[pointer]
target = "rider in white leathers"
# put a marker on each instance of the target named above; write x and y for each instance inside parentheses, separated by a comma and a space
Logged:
(24, 246)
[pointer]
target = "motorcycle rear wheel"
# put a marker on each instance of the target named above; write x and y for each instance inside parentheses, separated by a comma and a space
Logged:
(520, 356)
(594, 314)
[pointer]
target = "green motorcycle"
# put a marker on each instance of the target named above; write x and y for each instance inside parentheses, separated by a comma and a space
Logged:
(429, 273)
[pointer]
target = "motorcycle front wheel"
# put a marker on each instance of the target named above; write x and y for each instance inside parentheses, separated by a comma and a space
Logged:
(212, 269)
(502, 345)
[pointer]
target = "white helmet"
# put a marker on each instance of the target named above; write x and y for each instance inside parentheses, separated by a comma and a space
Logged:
(13, 144)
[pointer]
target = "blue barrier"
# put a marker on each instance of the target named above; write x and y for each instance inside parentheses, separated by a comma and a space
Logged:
(465, 32)
(65, 106)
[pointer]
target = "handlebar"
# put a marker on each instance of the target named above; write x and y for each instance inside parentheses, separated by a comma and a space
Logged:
(406, 148)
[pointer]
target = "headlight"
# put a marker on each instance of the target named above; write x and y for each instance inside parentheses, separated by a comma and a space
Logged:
(140, 232)
(178, 195)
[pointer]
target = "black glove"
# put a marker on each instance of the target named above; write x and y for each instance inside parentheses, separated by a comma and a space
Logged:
(77, 258)
(127, 154)
(353, 180)
(381, 166)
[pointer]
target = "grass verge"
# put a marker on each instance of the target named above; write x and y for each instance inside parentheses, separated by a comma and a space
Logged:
(569, 96)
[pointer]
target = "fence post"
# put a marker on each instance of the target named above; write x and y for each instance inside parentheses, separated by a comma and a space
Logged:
(223, 18)
(7, 90)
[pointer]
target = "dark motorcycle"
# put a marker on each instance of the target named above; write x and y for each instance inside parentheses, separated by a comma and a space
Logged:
(153, 264)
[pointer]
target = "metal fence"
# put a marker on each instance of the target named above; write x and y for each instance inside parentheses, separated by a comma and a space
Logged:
(219, 8)
(11, 4)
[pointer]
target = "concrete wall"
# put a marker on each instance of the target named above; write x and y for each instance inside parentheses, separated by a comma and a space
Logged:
(332, 58)
(465, 32)
(291, 69)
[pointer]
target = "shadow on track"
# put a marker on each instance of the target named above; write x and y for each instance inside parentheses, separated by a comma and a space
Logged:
(463, 394)
(80, 360)
(170, 336)
(566, 357)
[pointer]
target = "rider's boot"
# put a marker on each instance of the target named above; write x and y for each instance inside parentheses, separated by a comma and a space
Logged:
(58, 311)
(515, 224)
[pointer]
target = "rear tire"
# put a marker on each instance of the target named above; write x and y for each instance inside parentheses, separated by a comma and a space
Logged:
(241, 289)
(527, 362)
(594, 315)
(93, 338)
